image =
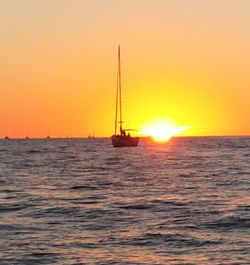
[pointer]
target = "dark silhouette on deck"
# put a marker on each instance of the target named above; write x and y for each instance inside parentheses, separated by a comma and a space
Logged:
(123, 139)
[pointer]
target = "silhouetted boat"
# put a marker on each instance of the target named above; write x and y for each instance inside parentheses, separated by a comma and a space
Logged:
(122, 139)
(6, 137)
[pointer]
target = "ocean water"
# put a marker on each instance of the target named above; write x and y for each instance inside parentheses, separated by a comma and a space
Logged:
(81, 201)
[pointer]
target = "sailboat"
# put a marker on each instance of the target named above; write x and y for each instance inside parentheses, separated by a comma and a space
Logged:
(123, 138)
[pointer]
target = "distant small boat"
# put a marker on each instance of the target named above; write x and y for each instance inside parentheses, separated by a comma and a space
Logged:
(122, 139)
(6, 137)
(27, 135)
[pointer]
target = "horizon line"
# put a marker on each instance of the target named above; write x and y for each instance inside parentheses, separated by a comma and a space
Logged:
(103, 137)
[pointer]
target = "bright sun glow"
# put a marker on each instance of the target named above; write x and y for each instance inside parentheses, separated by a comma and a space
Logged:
(162, 131)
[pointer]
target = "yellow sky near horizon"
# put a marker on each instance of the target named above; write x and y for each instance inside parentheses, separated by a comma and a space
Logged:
(183, 61)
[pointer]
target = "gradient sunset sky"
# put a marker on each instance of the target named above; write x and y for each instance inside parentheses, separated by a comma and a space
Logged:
(184, 61)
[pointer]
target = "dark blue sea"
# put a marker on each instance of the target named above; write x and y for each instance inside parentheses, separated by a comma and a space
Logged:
(81, 201)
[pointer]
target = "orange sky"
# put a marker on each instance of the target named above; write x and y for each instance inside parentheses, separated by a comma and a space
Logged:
(186, 61)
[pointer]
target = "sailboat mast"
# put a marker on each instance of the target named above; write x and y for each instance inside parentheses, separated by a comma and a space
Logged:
(120, 87)
(116, 101)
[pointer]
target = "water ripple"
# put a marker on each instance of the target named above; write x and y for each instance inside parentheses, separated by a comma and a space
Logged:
(76, 201)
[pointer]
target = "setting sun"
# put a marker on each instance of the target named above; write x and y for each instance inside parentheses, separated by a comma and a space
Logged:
(162, 131)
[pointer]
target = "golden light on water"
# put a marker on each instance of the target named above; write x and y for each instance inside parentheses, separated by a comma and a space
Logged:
(162, 131)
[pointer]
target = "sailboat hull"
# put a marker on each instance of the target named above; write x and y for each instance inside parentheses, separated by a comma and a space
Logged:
(124, 141)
